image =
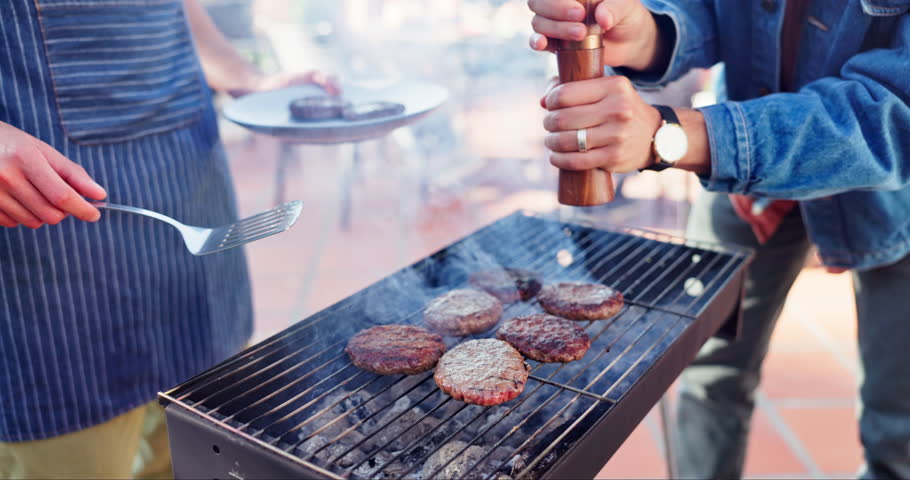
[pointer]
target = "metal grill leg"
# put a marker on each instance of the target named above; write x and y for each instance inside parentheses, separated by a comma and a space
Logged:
(285, 157)
(669, 436)
(347, 186)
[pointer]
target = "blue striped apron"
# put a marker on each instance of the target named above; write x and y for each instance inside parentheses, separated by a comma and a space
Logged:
(97, 318)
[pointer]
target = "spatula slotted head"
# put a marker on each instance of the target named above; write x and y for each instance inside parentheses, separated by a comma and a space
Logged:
(253, 228)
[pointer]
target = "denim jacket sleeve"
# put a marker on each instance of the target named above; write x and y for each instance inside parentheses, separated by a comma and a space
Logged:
(850, 132)
(836, 134)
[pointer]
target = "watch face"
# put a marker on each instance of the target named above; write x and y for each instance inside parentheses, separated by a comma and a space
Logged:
(671, 142)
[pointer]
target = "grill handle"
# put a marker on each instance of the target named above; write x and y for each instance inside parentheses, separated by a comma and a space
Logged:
(583, 60)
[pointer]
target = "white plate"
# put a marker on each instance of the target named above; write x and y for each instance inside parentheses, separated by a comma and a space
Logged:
(268, 112)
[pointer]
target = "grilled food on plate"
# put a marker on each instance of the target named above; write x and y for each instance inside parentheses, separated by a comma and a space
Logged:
(371, 111)
(327, 107)
(317, 107)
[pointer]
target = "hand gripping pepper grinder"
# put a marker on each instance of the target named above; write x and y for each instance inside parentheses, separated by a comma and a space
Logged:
(583, 60)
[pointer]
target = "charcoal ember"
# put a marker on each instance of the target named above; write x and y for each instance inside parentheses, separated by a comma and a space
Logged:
(403, 430)
(518, 463)
(455, 466)
(386, 413)
(494, 427)
(429, 438)
(399, 406)
(416, 455)
(443, 433)
(502, 462)
(327, 447)
(384, 465)
(340, 448)
(309, 447)
(417, 452)
(395, 471)
(370, 417)
(345, 402)
(393, 476)
(342, 409)
(366, 469)
(364, 417)
(496, 462)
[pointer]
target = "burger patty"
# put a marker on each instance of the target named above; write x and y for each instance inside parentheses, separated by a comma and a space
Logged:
(482, 372)
(546, 338)
(317, 107)
(395, 349)
(462, 312)
(581, 301)
(509, 285)
(371, 111)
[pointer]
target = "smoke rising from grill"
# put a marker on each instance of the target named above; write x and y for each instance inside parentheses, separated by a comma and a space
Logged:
(413, 288)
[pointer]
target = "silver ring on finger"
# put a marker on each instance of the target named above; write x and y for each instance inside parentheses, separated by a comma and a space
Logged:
(582, 139)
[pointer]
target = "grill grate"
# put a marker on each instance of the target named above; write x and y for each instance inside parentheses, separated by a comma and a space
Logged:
(298, 395)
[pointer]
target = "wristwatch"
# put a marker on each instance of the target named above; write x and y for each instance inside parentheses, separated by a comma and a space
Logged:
(670, 142)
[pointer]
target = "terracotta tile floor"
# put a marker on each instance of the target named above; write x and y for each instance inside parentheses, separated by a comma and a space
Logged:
(768, 453)
(805, 425)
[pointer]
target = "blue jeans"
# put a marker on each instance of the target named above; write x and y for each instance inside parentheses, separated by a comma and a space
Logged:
(717, 395)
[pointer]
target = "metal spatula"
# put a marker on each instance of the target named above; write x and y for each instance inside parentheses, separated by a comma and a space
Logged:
(203, 241)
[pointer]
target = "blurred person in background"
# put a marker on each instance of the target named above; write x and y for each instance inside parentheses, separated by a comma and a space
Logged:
(110, 99)
(812, 143)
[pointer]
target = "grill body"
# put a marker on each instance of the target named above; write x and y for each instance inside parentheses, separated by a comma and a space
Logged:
(294, 407)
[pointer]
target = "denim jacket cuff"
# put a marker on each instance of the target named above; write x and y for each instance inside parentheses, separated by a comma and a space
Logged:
(654, 80)
(731, 149)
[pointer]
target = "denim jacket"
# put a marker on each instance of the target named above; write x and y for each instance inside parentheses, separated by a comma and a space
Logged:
(840, 144)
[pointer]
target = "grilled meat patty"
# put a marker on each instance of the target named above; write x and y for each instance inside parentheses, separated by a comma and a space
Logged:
(462, 312)
(546, 338)
(395, 349)
(317, 107)
(371, 111)
(509, 285)
(482, 372)
(580, 301)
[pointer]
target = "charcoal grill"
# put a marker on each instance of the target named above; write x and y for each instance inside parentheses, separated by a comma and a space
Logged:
(294, 406)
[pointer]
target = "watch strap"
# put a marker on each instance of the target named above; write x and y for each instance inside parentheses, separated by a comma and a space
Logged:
(667, 113)
(668, 116)
(657, 166)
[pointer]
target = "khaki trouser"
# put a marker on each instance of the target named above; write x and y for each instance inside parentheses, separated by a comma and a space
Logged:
(133, 445)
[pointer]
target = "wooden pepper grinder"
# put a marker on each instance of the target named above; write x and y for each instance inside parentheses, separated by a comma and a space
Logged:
(583, 60)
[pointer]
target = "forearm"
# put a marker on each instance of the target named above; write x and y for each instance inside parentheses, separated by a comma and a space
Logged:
(225, 69)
